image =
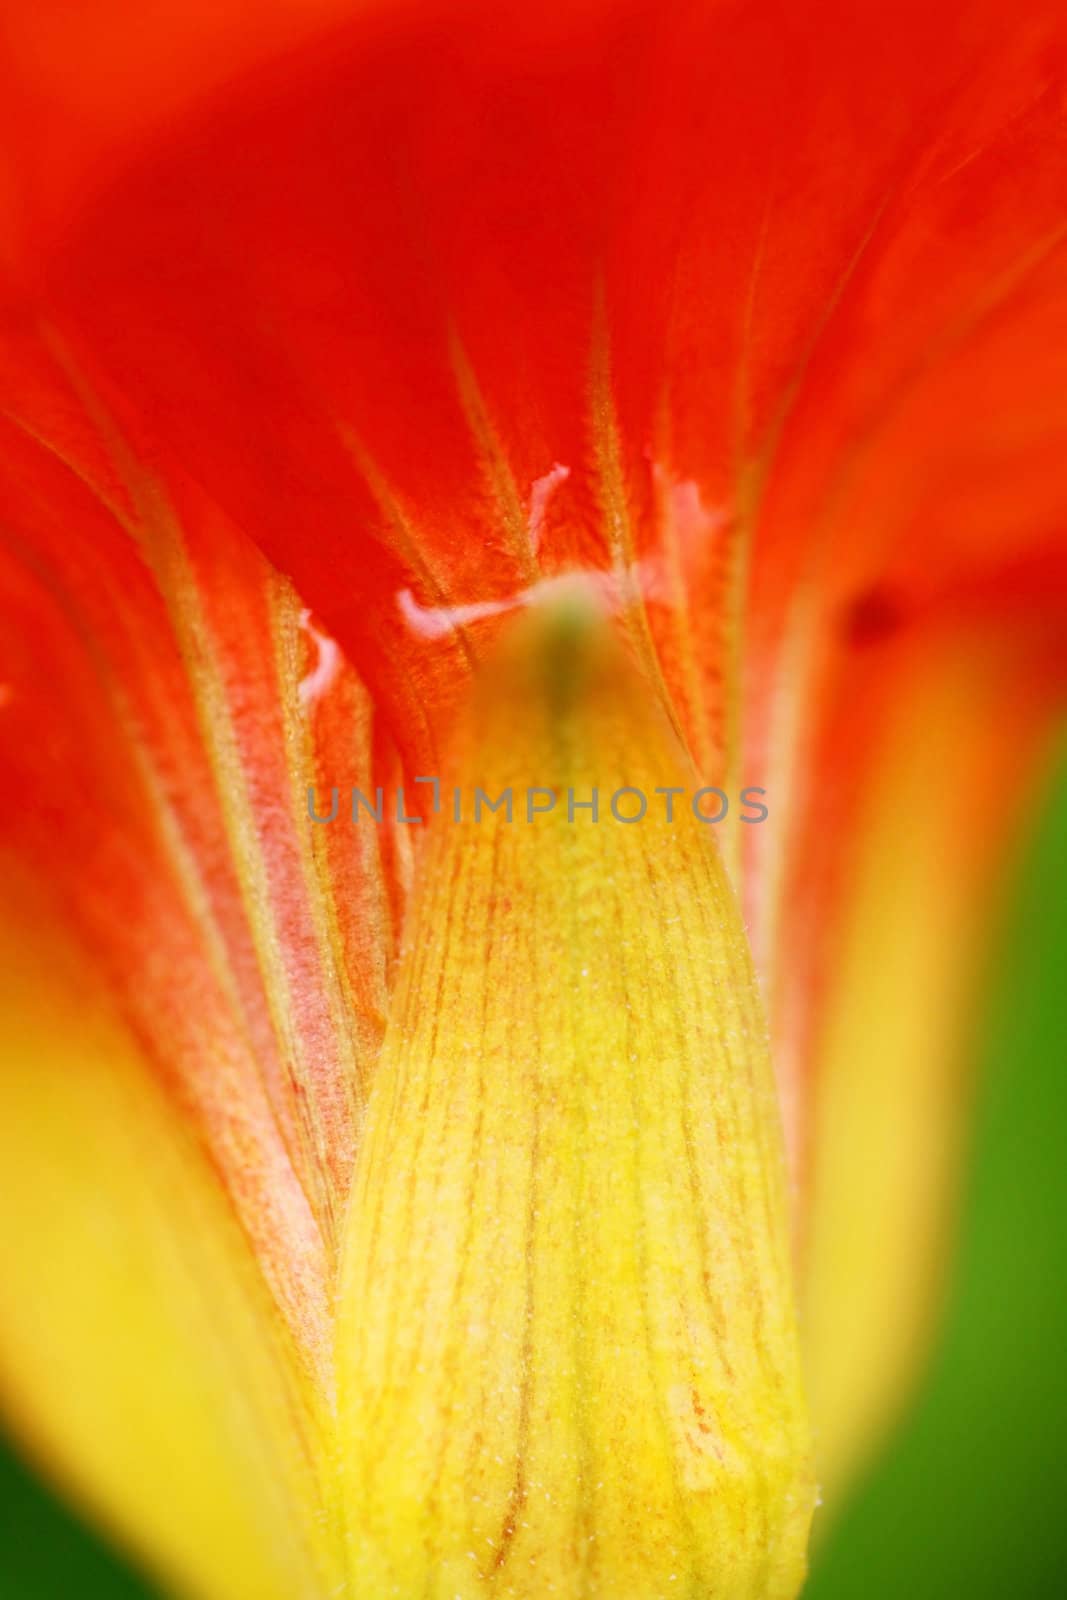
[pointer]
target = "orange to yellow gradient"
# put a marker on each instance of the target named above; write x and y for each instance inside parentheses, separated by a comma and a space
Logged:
(435, 1208)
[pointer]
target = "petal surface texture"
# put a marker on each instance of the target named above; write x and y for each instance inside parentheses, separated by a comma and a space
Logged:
(568, 1358)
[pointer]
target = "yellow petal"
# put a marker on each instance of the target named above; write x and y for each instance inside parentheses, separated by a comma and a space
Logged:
(893, 1089)
(567, 1356)
(142, 1360)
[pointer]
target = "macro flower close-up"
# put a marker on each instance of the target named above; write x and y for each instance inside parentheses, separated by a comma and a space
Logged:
(533, 643)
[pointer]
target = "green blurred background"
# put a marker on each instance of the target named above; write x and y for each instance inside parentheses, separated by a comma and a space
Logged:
(971, 1499)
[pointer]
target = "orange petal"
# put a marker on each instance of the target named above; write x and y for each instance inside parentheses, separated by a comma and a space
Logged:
(450, 301)
(161, 721)
(671, 251)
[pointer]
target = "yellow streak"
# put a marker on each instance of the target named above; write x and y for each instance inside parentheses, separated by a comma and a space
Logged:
(347, 1015)
(403, 535)
(567, 1353)
(888, 1126)
(614, 503)
(163, 541)
(493, 459)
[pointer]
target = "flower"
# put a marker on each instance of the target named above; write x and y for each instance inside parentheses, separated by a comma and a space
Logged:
(400, 1208)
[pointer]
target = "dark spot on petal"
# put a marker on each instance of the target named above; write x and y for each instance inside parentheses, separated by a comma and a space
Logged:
(872, 617)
